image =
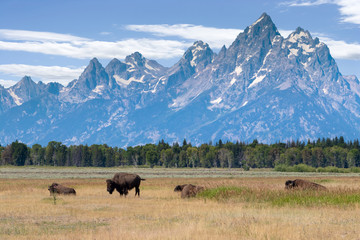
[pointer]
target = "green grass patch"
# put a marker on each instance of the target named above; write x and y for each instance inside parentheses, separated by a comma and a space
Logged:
(281, 198)
(223, 193)
(311, 198)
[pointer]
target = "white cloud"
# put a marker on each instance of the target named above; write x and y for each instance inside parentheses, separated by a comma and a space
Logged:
(349, 9)
(150, 48)
(83, 48)
(47, 74)
(341, 49)
(215, 37)
(307, 3)
(9, 34)
(7, 83)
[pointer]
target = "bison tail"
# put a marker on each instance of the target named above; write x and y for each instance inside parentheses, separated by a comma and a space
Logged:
(142, 179)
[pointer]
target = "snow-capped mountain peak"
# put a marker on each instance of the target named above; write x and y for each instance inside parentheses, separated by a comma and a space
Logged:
(262, 86)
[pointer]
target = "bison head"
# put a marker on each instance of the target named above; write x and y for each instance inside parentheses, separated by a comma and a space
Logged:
(52, 187)
(179, 188)
(289, 184)
(110, 185)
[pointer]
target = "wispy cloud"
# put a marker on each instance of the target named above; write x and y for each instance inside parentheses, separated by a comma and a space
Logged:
(349, 9)
(23, 35)
(62, 75)
(83, 48)
(307, 3)
(215, 37)
(156, 49)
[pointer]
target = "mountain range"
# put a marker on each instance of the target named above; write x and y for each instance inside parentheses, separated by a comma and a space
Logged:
(263, 86)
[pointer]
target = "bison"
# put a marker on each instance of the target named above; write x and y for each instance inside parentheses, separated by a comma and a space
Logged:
(303, 184)
(60, 189)
(188, 190)
(123, 182)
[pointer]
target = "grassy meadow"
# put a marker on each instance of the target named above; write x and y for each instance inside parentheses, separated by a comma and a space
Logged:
(235, 205)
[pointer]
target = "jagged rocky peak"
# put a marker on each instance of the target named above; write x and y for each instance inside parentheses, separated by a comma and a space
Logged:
(300, 35)
(136, 58)
(256, 37)
(26, 84)
(115, 66)
(263, 24)
(199, 55)
(26, 81)
(94, 64)
(93, 75)
(114, 62)
(25, 90)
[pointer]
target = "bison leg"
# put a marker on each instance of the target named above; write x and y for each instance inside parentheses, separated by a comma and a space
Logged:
(137, 191)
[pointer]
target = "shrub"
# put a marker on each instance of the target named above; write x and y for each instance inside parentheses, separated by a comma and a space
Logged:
(355, 169)
(333, 169)
(296, 168)
(303, 168)
(281, 168)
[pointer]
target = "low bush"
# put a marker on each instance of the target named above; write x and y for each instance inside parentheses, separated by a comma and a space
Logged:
(306, 168)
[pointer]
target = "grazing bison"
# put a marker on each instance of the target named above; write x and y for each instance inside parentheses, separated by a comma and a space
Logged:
(123, 182)
(303, 184)
(60, 189)
(190, 190)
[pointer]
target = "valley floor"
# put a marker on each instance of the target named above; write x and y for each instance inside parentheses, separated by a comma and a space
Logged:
(29, 212)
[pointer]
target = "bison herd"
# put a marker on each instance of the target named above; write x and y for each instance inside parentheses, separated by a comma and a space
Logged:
(123, 182)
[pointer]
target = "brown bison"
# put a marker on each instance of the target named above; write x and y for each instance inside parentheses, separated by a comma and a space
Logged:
(303, 184)
(123, 182)
(60, 189)
(188, 190)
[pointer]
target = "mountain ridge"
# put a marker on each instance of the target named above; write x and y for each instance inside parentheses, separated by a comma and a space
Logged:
(263, 86)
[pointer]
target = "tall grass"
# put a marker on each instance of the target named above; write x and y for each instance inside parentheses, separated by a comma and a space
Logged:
(230, 208)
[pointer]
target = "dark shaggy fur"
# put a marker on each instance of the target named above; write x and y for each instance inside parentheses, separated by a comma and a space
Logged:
(123, 182)
(303, 184)
(60, 189)
(179, 188)
(190, 190)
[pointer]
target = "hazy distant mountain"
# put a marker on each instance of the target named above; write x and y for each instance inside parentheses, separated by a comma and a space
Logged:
(263, 86)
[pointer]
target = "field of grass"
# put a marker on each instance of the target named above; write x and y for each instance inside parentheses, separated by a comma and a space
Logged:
(235, 205)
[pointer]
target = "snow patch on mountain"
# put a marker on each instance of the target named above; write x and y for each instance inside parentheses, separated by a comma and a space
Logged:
(257, 80)
(18, 100)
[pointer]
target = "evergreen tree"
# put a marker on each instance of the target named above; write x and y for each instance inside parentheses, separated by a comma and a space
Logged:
(19, 153)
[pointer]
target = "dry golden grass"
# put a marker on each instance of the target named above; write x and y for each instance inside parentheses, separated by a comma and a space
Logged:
(28, 212)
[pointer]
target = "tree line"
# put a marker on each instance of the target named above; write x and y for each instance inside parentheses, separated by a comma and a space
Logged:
(320, 153)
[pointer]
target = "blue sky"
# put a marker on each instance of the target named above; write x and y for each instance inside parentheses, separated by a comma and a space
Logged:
(53, 40)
